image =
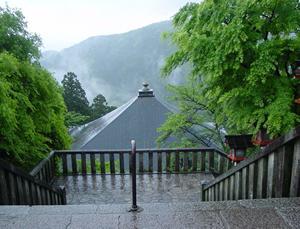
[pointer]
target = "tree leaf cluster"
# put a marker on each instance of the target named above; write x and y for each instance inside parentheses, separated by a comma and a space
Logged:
(32, 107)
(194, 124)
(14, 37)
(31, 112)
(242, 55)
(79, 110)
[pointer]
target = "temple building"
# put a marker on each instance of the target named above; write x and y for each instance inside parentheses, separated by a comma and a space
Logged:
(137, 119)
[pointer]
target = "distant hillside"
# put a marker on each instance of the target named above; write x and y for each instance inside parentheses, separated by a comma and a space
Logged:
(116, 65)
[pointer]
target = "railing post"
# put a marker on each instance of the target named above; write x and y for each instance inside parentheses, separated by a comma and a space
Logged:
(134, 207)
(203, 184)
(63, 197)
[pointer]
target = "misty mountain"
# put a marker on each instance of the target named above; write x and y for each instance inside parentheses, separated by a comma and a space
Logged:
(117, 65)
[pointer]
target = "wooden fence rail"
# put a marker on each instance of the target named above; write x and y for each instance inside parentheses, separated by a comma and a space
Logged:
(274, 172)
(46, 169)
(19, 188)
(82, 162)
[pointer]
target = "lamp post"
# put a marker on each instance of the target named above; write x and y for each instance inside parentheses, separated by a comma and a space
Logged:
(297, 69)
(238, 145)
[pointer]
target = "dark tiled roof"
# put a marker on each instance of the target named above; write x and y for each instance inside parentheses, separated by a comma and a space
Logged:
(138, 119)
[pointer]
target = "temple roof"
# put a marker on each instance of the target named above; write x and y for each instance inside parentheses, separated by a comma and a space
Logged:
(138, 119)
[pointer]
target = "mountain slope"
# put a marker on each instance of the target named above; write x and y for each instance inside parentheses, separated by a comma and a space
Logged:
(116, 65)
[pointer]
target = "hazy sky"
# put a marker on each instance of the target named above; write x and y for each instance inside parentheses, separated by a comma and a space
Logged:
(62, 23)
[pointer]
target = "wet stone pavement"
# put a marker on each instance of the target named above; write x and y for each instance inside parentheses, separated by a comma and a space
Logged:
(116, 189)
(264, 214)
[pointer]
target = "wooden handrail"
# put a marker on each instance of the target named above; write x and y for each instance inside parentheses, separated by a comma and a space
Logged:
(46, 169)
(42, 163)
(204, 149)
(255, 157)
(274, 172)
(19, 187)
(206, 156)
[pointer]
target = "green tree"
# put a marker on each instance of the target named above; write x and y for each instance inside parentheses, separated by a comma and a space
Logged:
(74, 95)
(32, 108)
(195, 123)
(242, 54)
(100, 107)
(74, 119)
(31, 112)
(14, 37)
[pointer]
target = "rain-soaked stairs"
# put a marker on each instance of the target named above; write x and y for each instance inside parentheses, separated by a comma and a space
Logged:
(266, 213)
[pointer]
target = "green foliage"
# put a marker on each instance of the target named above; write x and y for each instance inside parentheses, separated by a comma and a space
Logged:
(74, 95)
(194, 124)
(32, 108)
(73, 119)
(98, 166)
(100, 107)
(31, 112)
(14, 38)
(79, 111)
(241, 53)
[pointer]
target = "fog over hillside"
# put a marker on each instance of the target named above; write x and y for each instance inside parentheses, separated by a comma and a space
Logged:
(117, 65)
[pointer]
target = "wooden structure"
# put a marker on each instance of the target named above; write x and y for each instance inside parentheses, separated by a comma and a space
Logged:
(83, 162)
(274, 172)
(19, 188)
(238, 145)
(36, 187)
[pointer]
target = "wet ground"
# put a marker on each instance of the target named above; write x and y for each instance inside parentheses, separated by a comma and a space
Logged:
(116, 189)
(268, 213)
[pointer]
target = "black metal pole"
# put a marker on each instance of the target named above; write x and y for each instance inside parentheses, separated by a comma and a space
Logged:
(134, 206)
(133, 175)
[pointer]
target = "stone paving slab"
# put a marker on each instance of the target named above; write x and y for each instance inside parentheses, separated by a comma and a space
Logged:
(291, 216)
(253, 218)
(14, 210)
(37, 221)
(225, 214)
(267, 203)
(200, 219)
(63, 210)
(95, 221)
(116, 189)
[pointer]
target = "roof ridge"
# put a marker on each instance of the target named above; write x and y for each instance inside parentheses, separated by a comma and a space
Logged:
(128, 117)
(111, 116)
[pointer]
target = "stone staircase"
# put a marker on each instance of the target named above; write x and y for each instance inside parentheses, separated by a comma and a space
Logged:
(259, 213)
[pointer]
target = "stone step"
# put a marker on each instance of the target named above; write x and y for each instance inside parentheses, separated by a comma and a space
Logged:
(266, 213)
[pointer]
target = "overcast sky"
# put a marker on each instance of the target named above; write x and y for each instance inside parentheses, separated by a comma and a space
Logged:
(62, 23)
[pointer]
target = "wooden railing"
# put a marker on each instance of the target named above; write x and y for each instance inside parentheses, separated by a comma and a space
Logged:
(117, 161)
(83, 162)
(46, 169)
(19, 188)
(274, 172)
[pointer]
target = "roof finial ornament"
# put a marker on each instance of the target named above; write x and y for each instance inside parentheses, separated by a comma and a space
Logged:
(146, 91)
(145, 86)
